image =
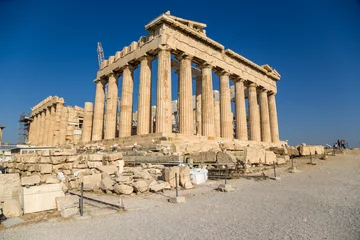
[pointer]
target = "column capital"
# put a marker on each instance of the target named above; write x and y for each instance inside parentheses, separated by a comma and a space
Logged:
(101, 80)
(204, 65)
(183, 55)
(164, 47)
(252, 84)
(270, 92)
(239, 79)
(116, 74)
(264, 90)
(222, 73)
(131, 67)
(148, 57)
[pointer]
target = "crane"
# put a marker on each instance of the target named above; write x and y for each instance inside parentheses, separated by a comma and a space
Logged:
(101, 58)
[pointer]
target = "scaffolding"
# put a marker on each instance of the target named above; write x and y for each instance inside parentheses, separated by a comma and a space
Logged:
(24, 124)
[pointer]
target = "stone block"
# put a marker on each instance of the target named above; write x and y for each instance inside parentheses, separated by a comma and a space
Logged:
(107, 185)
(95, 157)
(159, 186)
(80, 164)
(45, 168)
(94, 179)
(270, 158)
(30, 181)
(226, 158)
(201, 157)
(10, 187)
(58, 159)
(12, 208)
(113, 156)
(123, 189)
(32, 159)
(168, 175)
(109, 169)
(57, 168)
(154, 159)
(121, 164)
(52, 180)
(41, 198)
(67, 166)
(45, 160)
(141, 186)
(94, 164)
(72, 158)
(45, 153)
(67, 202)
(254, 155)
(305, 150)
(184, 173)
(31, 167)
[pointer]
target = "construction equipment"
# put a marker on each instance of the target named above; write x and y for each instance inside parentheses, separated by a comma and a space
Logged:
(101, 58)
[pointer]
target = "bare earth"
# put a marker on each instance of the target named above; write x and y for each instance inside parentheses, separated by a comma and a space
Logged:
(321, 202)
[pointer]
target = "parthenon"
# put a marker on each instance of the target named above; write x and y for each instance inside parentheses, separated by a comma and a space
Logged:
(181, 46)
(187, 42)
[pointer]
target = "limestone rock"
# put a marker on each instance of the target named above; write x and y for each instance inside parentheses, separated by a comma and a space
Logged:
(226, 158)
(94, 179)
(168, 175)
(12, 208)
(184, 173)
(109, 169)
(45, 168)
(95, 157)
(30, 181)
(107, 185)
(270, 158)
(141, 186)
(123, 189)
(58, 159)
(209, 156)
(254, 155)
(114, 156)
(143, 175)
(159, 186)
(52, 180)
(121, 179)
(94, 164)
(67, 202)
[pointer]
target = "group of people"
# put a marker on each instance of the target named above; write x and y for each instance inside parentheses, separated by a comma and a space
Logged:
(339, 144)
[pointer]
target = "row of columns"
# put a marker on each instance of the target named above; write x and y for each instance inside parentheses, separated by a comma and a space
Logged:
(46, 127)
(263, 118)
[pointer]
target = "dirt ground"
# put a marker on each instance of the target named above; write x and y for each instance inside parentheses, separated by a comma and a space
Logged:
(322, 201)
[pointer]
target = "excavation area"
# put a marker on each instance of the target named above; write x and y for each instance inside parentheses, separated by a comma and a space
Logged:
(317, 202)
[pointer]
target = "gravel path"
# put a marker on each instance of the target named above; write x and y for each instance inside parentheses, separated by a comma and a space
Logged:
(321, 202)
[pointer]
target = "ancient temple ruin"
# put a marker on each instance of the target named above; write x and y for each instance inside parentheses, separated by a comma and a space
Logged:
(177, 45)
(187, 41)
(53, 124)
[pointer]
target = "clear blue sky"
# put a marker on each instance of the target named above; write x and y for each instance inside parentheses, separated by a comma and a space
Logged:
(49, 48)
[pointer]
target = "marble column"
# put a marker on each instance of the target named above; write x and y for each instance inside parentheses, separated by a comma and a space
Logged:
(51, 121)
(265, 122)
(274, 127)
(42, 128)
(126, 104)
(186, 123)
(207, 102)
(240, 111)
(1, 130)
(144, 102)
(254, 115)
(111, 106)
(163, 93)
(87, 123)
(47, 127)
(37, 129)
(64, 122)
(98, 122)
(30, 134)
(198, 106)
(57, 122)
(217, 119)
(226, 128)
